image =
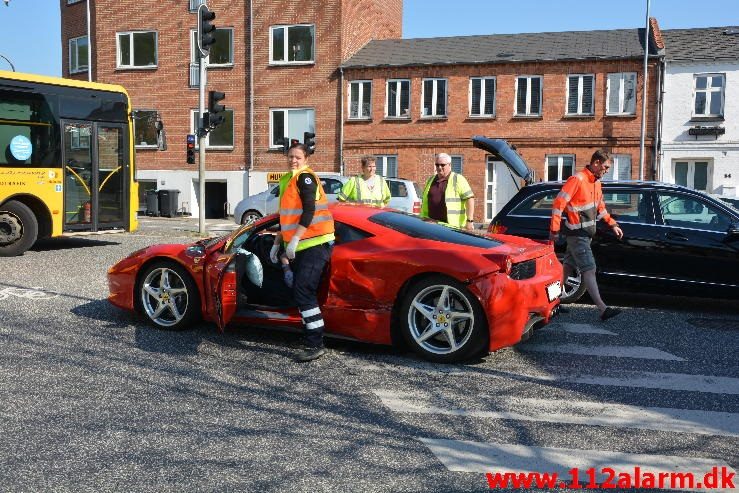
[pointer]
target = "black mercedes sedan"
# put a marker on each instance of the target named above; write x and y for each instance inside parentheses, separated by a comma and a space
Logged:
(676, 240)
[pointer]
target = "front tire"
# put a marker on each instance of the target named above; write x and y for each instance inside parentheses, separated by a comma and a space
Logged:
(442, 322)
(250, 216)
(167, 296)
(18, 228)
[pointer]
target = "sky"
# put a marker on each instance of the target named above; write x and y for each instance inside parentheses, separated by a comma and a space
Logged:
(30, 33)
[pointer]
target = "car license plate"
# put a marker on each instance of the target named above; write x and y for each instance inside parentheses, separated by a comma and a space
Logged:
(554, 291)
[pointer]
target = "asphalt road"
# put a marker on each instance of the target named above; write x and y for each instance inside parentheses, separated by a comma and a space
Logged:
(94, 399)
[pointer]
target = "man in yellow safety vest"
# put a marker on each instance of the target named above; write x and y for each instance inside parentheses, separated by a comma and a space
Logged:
(447, 196)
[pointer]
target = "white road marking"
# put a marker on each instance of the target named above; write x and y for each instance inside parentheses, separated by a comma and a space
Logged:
(484, 457)
(632, 379)
(574, 412)
(640, 352)
(581, 329)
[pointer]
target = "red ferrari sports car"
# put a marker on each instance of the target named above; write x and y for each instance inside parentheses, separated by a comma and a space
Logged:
(393, 278)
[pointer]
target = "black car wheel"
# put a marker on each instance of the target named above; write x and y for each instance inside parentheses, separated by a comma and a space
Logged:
(18, 228)
(442, 321)
(167, 296)
(573, 288)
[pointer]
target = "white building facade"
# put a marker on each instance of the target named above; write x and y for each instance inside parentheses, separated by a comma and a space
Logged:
(700, 123)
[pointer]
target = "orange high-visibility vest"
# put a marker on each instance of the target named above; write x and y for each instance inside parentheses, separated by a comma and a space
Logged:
(581, 201)
(291, 208)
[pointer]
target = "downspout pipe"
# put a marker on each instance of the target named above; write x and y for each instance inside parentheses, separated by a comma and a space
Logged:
(341, 120)
(89, 43)
(251, 87)
(657, 158)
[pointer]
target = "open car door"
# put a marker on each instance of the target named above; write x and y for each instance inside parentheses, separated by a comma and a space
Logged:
(223, 285)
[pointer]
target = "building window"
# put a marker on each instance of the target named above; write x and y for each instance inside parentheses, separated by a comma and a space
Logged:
(692, 174)
(398, 99)
(387, 166)
(137, 49)
(221, 52)
(620, 170)
(78, 54)
(434, 97)
(528, 95)
(222, 137)
(580, 94)
(709, 95)
(621, 94)
(288, 123)
(360, 99)
(194, 4)
(482, 96)
(457, 164)
(292, 44)
(560, 167)
(144, 129)
(70, 2)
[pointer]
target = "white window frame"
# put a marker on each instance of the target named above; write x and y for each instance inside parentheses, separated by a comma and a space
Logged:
(72, 2)
(434, 96)
(133, 55)
(360, 85)
(560, 165)
(482, 113)
(621, 89)
(79, 68)
(195, 4)
(287, 111)
(580, 99)
(286, 41)
(691, 172)
(193, 130)
(381, 163)
(387, 98)
(195, 52)
(710, 94)
(528, 113)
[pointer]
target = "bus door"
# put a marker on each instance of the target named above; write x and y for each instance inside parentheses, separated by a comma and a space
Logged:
(95, 175)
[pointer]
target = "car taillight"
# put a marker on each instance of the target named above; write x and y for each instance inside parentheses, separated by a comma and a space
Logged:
(496, 228)
(416, 207)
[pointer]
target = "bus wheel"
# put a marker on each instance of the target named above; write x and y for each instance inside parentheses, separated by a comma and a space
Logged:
(18, 228)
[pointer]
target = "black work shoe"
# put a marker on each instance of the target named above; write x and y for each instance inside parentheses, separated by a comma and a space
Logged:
(310, 353)
(609, 313)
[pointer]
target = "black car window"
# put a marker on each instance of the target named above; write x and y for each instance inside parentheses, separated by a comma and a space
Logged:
(397, 188)
(428, 229)
(275, 191)
(685, 211)
(536, 205)
(346, 234)
(628, 206)
(330, 186)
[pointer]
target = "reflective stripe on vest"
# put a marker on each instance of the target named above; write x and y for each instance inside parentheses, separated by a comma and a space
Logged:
(372, 197)
(291, 208)
(456, 213)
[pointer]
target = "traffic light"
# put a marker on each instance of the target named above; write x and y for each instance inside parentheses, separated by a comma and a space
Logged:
(215, 115)
(206, 37)
(309, 139)
(190, 149)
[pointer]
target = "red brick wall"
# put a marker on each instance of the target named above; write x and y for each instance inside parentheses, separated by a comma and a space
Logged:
(74, 24)
(416, 141)
(363, 20)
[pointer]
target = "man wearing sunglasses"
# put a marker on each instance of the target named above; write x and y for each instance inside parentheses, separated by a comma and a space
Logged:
(447, 196)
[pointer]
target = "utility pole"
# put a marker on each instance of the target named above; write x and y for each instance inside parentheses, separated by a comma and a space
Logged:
(205, 39)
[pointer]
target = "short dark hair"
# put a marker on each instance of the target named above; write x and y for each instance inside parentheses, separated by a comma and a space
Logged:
(302, 147)
(368, 159)
(600, 155)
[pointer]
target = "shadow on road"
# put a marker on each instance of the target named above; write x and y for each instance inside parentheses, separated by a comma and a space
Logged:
(49, 244)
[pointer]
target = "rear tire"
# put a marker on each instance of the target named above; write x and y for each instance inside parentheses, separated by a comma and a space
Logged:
(250, 216)
(573, 288)
(18, 228)
(442, 322)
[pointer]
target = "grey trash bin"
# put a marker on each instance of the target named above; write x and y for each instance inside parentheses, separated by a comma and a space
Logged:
(168, 202)
(152, 203)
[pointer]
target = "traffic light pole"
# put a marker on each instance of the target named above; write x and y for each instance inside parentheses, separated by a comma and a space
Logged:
(201, 143)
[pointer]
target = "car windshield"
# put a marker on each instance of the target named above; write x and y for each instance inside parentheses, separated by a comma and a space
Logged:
(428, 229)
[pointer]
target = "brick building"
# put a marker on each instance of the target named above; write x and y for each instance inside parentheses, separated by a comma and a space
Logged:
(148, 47)
(320, 66)
(556, 96)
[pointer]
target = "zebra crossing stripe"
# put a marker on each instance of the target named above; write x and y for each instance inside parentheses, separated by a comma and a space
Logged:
(580, 329)
(484, 457)
(575, 412)
(640, 352)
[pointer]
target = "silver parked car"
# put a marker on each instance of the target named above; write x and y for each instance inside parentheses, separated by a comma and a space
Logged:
(405, 196)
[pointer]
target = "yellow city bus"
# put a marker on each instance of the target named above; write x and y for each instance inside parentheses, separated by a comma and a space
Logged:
(66, 159)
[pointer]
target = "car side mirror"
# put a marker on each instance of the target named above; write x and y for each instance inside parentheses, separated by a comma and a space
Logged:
(733, 232)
